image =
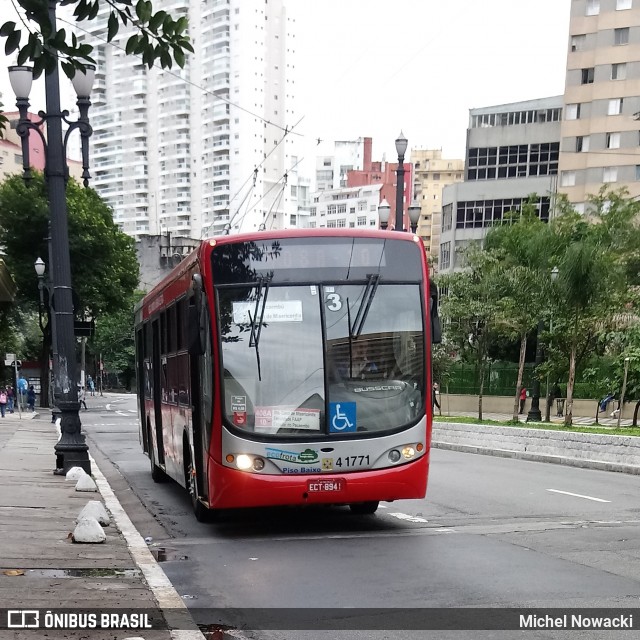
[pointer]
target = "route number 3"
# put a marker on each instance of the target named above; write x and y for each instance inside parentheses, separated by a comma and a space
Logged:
(334, 302)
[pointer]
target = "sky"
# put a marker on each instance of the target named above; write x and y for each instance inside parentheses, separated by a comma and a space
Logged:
(373, 68)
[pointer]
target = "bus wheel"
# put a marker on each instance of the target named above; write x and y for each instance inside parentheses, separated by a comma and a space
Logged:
(364, 508)
(202, 513)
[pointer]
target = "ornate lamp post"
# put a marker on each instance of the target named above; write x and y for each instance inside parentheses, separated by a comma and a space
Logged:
(414, 216)
(384, 210)
(401, 148)
(71, 450)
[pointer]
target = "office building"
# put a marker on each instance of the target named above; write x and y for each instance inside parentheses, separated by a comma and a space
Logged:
(512, 154)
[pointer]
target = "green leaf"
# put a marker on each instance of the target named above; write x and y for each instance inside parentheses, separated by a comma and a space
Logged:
(7, 28)
(179, 56)
(132, 43)
(25, 53)
(112, 26)
(156, 21)
(165, 59)
(181, 25)
(12, 43)
(94, 10)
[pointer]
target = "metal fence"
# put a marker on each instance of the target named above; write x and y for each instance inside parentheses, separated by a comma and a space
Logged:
(500, 379)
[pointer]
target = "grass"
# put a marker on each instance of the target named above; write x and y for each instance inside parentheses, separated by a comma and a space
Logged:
(551, 426)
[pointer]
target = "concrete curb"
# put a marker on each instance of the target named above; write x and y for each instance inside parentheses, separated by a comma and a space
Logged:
(167, 597)
(620, 454)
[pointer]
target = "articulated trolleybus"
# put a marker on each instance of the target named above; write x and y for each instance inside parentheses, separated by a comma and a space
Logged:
(290, 368)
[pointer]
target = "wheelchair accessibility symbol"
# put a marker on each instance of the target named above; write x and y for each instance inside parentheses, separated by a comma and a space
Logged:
(342, 417)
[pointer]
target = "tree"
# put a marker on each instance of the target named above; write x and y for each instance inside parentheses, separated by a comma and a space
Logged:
(157, 36)
(523, 246)
(470, 308)
(114, 340)
(104, 267)
(593, 256)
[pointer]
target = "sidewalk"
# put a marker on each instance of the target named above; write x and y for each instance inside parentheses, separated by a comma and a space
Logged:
(603, 421)
(41, 568)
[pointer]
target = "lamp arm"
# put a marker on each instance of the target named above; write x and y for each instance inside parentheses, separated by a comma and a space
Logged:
(24, 126)
(82, 124)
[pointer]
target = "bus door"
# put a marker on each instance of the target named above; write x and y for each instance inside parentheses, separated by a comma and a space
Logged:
(157, 391)
(200, 377)
(142, 382)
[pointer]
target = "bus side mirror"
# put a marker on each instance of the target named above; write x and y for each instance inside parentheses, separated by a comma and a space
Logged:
(436, 325)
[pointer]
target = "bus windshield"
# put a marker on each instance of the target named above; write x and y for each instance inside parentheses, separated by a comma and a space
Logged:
(370, 369)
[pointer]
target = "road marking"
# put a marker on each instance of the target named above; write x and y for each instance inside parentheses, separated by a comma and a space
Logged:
(577, 495)
(407, 517)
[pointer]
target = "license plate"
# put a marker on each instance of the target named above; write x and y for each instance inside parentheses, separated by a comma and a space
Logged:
(326, 484)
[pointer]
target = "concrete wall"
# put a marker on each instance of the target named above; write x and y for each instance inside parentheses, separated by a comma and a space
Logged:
(452, 404)
(595, 451)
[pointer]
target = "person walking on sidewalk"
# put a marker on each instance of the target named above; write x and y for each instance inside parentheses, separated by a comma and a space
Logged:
(11, 396)
(3, 401)
(31, 398)
(523, 399)
(81, 397)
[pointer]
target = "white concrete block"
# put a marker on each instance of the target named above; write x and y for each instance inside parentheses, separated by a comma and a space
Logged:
(86, 483)
(95, 509)
(89, 530)
(75, 473)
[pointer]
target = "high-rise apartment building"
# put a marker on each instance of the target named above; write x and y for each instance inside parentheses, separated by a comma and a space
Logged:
(600, 128)
(207, 148)
(348, 155)
(432, 173)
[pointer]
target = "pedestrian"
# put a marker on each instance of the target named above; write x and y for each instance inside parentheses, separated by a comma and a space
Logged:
(81, 397)
(31, 398)
(22, 390)
(436, 393)
(10, 398)
(523, 399)
(92, 385)
(3, 401)
(554, 394)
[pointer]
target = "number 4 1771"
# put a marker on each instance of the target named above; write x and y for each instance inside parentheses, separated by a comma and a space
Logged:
(352, 461)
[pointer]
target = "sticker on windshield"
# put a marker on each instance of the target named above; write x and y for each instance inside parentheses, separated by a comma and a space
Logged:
(274, 311)
(271, 419)
(334, 302)
(238, 403)
(342, 417)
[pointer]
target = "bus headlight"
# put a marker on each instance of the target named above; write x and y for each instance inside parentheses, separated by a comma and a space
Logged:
(243, 461)
(258, 464)
(394, 455)
(408, 452)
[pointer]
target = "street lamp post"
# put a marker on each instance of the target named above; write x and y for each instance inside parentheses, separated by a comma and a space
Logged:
(624, 389)
(71, 450)
(547, 415)
(401, 148)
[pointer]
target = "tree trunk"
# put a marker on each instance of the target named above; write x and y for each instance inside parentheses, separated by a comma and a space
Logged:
(568, 415)
(635, 414)
(523, 351)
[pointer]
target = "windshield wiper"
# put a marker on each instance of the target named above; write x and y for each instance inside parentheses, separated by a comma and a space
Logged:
(256, 324)
(373, 279)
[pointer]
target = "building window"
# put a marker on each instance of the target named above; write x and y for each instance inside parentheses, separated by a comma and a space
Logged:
(582, 144)
(568, 179)
(587, 75)
(293, 220)
(445, 255)
(474, 214)
(362, 221)
(615, 107)
(447, 217)
(312, 211)
(342, 222)
(572, 112)
(610, 174)
(619, 71)
(331, 209)
(436, 176)
(577, 42)
(593, 7)
(613, 140)
(623, 4)
(621, 36)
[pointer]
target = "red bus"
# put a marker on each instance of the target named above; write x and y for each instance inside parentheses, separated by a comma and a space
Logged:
(290, 368)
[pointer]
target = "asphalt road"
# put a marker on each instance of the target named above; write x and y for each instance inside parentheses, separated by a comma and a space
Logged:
(492, 532)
